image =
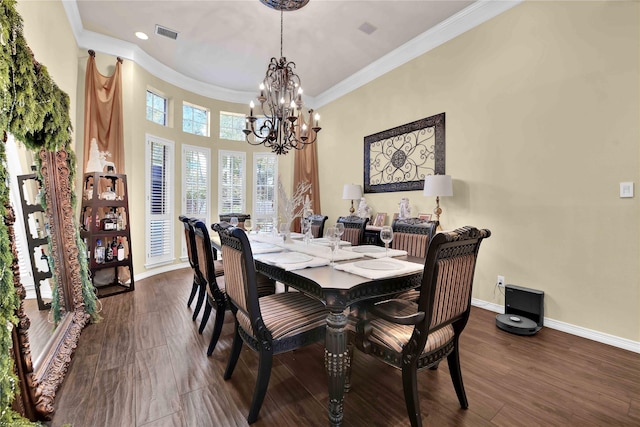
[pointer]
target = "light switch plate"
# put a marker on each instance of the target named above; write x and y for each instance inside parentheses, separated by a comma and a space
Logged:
(626, 189)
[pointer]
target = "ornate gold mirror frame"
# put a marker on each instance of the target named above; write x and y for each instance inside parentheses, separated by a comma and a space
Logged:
(38, 386)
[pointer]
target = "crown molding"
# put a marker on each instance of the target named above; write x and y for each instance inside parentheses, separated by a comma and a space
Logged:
(472, 16)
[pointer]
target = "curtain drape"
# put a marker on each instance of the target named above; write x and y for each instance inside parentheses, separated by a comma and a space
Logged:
(103, 113)
(305, 168)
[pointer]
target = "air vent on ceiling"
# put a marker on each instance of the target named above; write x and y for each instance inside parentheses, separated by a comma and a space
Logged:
(367, 28)
(164, 31)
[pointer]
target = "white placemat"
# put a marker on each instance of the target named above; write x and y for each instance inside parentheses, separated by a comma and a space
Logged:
(325, 242)
(321, 251)
(292, 260)
(380, 268)
(376, 251)
(264, 248)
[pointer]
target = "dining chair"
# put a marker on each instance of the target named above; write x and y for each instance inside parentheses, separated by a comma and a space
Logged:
(199, 282)
(269, 325)
(412, 336)
(413, 235)
(241, 218)
(354, 227)
(317, 224)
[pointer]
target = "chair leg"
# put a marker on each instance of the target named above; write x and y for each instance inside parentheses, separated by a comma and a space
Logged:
(194, 290)
(236, 347)
(217, 329)
(205, 316)
(410, 387)
(264, 374)
(456, 376)
(201, 296)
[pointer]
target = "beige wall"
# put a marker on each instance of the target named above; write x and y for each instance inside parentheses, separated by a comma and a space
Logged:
(542, 110)
(542, 124)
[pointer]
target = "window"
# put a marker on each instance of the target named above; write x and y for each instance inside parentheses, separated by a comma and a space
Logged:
(231, 126)
(231, 181)
(159, 193)
(265, 167)
(195, 184)
(156, 108)
(195, 119)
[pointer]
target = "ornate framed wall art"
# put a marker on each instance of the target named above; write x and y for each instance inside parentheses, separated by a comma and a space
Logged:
(398, 159)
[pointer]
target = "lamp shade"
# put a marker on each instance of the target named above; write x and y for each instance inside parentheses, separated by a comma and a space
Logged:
(351, 192)
(438, 185)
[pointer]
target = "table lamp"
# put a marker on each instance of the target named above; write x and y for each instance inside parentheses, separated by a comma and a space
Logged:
(351, 192)
(438, 185)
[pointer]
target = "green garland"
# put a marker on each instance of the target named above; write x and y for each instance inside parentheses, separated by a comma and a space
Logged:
(36, 112)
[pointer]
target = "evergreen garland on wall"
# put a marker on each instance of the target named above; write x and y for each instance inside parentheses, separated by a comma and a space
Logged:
(36, 112)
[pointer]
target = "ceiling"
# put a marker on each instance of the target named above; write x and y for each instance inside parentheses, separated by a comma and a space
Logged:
(225, 46)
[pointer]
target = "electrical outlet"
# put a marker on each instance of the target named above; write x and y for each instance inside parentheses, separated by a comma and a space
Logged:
(500, 282)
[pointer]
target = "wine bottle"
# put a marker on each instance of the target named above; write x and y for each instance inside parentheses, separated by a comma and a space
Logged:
(100, 252)
(120, 250)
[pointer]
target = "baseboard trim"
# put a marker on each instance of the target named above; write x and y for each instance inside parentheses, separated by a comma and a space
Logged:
(159, 270)
(579, 331)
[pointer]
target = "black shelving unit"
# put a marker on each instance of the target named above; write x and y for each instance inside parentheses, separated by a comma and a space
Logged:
(41, 240)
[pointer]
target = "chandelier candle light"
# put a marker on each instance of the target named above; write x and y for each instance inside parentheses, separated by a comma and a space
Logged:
(284, 126)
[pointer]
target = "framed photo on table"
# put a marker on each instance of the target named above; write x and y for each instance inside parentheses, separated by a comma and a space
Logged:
(426, 217)
(380, 219)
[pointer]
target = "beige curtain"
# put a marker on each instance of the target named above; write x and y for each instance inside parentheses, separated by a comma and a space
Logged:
(103, 113)
(305, 168)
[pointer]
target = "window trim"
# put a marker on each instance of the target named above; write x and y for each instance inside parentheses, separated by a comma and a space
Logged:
(151, 262)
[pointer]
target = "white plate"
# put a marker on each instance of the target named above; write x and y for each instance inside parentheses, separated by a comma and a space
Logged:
(293, 258)
(367, 249)
(377, 264)
(262, 245)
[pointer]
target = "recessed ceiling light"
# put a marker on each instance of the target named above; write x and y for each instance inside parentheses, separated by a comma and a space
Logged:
(141, 35)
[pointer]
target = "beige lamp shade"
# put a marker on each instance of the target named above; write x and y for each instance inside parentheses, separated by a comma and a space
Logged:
(438, 185)
(351, 192)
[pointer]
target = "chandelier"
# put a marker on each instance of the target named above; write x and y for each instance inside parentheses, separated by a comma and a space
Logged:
(284, 126)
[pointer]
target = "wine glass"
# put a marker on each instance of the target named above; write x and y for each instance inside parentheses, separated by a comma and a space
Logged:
(284, 229)
(233, 221)
(340, 230)
(248, 225)
(333, 237)
(386, 235)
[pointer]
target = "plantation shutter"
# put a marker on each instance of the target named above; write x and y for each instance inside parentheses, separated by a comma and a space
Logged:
(159, 201)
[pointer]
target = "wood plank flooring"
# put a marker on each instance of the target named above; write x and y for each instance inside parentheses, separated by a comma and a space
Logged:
(145, 365)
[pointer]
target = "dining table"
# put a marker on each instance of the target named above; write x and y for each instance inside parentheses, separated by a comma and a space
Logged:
(360, 273)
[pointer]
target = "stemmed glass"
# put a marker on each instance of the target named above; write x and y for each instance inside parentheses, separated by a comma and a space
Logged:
(233, 221)
(334, 239)
(340, 228)
(284, 228)
(248, 225)
(386, 235)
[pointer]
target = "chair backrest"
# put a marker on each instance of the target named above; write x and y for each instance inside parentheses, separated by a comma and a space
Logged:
(317, 224)
(190, 240)
(205, 256)
(241, 218)
(353, 228)
(241, 283)
(413, 235)
(447, 281)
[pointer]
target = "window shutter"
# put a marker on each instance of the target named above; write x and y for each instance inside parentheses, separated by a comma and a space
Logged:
(159, 201)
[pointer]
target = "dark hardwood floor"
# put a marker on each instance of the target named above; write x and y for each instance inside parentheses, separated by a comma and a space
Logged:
(145, 365)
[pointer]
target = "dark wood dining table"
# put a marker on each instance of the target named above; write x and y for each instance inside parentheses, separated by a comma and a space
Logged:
(338, 290)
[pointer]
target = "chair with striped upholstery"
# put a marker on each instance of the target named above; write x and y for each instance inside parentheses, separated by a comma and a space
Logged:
(317, 224)
(412, 336)
(413, 235)
(269, 325)
(190, 242)
(353, 229)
